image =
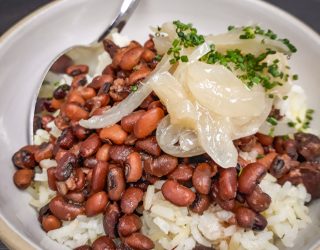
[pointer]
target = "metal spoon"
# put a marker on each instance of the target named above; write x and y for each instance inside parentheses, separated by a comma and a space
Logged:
(126, 9)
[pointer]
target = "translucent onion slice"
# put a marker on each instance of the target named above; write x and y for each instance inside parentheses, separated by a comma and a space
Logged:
(282, 128)
(214, 137)
(220, 91)
(163, 39)
(177, 141)
(251, 126)
(284, 89)
(256, 46)
(129, 104)
(173, 96)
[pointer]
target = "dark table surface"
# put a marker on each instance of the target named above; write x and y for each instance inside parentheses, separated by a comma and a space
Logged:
(12, 11)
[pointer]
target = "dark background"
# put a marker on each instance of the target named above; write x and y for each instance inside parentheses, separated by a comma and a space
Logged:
(12, 11)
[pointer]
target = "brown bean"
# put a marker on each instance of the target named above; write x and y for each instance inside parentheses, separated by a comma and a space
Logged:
(83, 247)
(99, 176)
(114, 133)
(129, 224)
(61, 64)
(119, 154)
(138, 75)
(139, 241)
(96, 203)
(265, 140)
(110, 47)
(55, 104)
(130, 140)
(103, 152)
(87, 93)
(24, 159)
(76, 197)
(99, 81)
(43, 211)
(148, 122)
(308, 146)
(80, 132)
(228, 205)
(131, 58)
(22, 178)
(50, 222)
(250, 177)
(281, 165)
(51, 173)
(149, 44)
(44, 151)
(79, 80)
(75, 112)
(201, 178)
(133, 167)
(146, 102)
(64, 210)
(128, 122)
(177, 194)
(258, 200)
(160, 166)
(148, 55)
(247, 218)
(75, 97)
(227, 184)
(200, 204)
(286, 146)
(156, 104)
(267, 160)
(103, 243)
(246, 143)
(75, 70)
(115, 183)
(110, 219)
(61, 122)
(66, 139)
(149, 145)
(79, 179)
(182, 173)
(90, 146)
(109, 70)
(99, 101)
(131, 199)
(65, 166)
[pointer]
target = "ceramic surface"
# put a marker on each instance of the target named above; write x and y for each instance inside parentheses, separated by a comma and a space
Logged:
(27, 49)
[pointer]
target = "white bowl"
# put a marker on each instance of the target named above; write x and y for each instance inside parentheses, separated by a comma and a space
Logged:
(28, 48)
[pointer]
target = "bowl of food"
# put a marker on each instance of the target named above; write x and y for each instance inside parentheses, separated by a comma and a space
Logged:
(195, 128)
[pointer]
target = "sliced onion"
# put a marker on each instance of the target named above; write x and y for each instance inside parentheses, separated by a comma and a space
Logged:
(168, 136)
(174, 97)
(214, 137)
(116, 113)
(252, 125)
(256, 46)
(217, 89)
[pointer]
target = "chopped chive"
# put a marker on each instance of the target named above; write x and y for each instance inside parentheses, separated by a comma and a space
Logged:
(134, 88)
(259, 156)
(273, 121)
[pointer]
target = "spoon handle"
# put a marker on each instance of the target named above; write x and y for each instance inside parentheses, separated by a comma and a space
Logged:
(127, 8)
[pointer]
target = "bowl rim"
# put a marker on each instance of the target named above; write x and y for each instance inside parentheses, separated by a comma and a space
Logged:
(8, 234)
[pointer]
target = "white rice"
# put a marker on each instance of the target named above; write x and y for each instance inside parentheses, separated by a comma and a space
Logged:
(83, 230)
(171, 227)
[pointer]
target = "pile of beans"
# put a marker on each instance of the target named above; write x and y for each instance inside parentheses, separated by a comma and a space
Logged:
(108, 170)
